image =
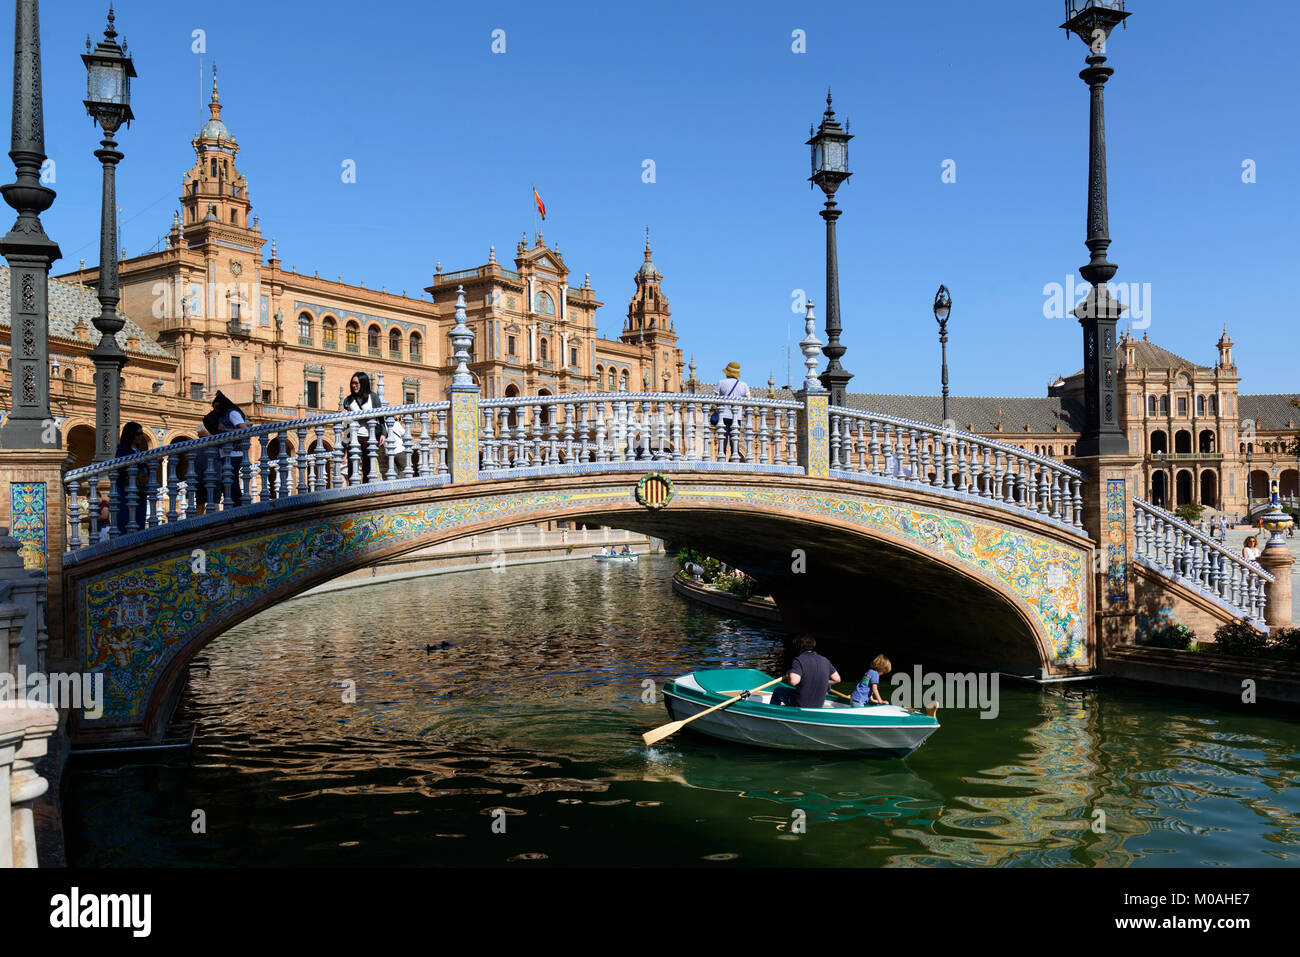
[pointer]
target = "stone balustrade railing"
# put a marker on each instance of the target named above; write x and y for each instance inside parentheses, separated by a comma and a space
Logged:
(866, 446)
(1188, 555)
(583, 428)
(548, 434)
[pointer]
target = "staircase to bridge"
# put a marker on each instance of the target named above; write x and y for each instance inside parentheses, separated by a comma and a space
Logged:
(858, 525)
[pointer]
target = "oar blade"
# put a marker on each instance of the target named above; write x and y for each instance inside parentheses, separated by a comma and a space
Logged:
(663, 731)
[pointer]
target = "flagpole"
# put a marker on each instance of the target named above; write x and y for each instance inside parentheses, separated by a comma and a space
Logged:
(534, 201)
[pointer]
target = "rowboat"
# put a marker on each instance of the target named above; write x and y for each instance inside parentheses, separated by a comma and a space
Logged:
(874, 731)
(628, 559)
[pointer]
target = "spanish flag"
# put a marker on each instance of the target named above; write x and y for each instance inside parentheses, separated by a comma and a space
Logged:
(541, 207)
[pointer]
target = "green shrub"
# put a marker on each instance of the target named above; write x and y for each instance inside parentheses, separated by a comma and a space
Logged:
(1171, 636)
(711, 569)
(1286, 645)
(1190, 513)
(738, 585)
(1241, 640)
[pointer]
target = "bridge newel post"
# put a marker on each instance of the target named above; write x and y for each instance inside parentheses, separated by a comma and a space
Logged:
(1276, 559)
(815, 432)
(1107, 502)
(463, 434)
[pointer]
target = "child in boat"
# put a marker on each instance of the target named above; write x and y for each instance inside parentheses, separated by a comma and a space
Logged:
(868, 690)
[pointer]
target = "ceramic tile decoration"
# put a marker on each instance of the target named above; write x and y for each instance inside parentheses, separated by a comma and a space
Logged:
(28, 522)
(134, 620)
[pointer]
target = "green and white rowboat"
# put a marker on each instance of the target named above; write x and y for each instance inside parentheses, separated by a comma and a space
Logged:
(616, 559)
(875, 731)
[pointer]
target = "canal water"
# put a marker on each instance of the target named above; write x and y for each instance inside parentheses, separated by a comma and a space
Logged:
(530, 723)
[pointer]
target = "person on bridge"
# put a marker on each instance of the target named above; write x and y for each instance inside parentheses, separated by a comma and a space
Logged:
(359, 400)
(868, 690)
(227, 417)
(134, 440)
(728, 417)
(811, 676)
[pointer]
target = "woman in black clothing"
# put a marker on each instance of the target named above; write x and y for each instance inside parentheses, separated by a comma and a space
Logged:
(134, 440)
(361, 399)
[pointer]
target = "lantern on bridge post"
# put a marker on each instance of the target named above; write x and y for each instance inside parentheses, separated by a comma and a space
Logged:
(109, 72)
(830, 168)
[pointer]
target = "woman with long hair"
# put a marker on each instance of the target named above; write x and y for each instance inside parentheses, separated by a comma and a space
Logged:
(134, 440)
(227, 417)
(359, 399)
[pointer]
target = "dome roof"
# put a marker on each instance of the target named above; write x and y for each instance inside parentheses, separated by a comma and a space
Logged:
(648, 271)
(215, 130)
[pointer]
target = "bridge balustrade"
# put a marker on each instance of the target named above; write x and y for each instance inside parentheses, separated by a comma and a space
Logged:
(217, 473)
(545, 434)
(575, 429)
(1188, 555)
(866, 446)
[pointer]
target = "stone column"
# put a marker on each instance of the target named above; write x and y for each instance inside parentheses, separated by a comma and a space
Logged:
(32, 479)
(814, 433)
(1108, 489)
(1276, 559)
(34, 723)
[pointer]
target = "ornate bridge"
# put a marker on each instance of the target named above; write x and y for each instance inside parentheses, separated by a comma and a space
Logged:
(976, 549)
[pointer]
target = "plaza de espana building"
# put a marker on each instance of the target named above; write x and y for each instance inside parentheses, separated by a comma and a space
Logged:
(208, 312)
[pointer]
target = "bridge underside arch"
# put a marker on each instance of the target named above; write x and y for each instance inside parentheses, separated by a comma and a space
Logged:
(884, 569)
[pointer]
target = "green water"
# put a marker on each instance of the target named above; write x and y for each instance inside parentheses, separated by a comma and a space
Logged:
(532, 723)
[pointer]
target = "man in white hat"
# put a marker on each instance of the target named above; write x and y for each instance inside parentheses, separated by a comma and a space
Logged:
(729, 418)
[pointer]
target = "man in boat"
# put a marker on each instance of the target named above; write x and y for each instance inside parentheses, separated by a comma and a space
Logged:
(626, 551)
(810, 674)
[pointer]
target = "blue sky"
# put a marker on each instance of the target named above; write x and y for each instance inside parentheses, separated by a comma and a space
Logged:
(448, 136)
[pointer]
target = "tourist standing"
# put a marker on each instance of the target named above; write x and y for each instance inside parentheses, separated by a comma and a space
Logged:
(134, 440)
(359, 399)
(727, 417)
(1250, 549)
(227, 417)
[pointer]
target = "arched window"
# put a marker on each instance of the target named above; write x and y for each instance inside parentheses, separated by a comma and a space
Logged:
(1159, 442)
(395, 344)
(353, 336)
(1214, 405)
(622, 381)
(372, 340)
(1200, 405)
(304, 328)
(544, 304)
(415, 347)
(1164, 405)
(613, 380)
(1151, 405)
(542, 350)
(329, 332)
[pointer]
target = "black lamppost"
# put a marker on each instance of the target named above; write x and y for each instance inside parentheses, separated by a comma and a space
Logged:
(1250, 491)
(830, 168)
(1093, 21)
(108, 101)
(27, 249)
(943, 306)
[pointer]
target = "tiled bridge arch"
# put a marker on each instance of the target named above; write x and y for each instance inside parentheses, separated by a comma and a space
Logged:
(139, 612)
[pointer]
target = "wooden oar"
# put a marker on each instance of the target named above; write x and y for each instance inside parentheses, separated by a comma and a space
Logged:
(672, 727)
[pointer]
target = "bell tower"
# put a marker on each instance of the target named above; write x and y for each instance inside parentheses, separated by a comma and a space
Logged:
(214, 194)
(650, 325)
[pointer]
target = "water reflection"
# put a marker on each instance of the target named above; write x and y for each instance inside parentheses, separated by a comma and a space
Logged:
(536, 709)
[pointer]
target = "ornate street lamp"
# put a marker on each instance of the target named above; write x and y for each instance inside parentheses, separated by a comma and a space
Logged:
(1250, 492)
(830, 168)
(943, 306)
(1093, 21)
(108, 101)
(27, 249)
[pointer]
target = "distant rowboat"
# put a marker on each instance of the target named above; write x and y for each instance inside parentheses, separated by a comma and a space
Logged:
(876, 730)
(629, 559)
